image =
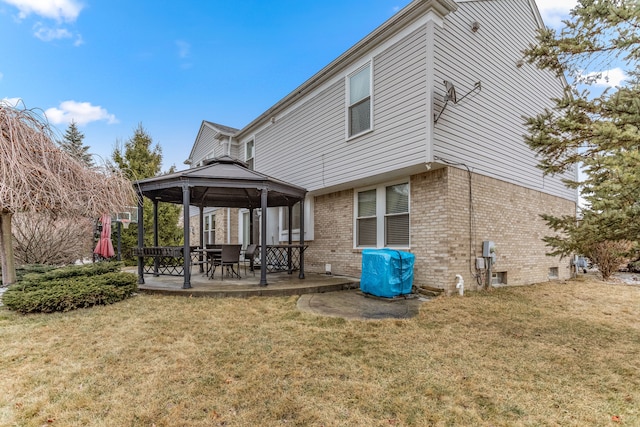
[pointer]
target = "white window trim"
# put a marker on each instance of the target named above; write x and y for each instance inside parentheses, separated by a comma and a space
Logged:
(244, 149)
(211, 216)
(368, 63)
(308, 223)
(380, 214)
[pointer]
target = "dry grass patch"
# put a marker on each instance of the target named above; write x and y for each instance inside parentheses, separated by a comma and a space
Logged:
(549, 354)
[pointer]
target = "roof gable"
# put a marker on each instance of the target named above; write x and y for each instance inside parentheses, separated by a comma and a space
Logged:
(207, 128)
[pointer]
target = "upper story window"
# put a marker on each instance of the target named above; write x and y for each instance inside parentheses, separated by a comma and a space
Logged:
(382, 216)
(249, 153)
(359, 99)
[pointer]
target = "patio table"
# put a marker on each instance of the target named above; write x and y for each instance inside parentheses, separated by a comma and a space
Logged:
(209, 255)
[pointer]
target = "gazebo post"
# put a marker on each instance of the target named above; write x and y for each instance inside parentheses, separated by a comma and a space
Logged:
(290, 238)
(156, 239)
(186, 252)
(140, 238)
(250, 226)
(201, 219)
(201, 239)
(263, 237)
(301, 274)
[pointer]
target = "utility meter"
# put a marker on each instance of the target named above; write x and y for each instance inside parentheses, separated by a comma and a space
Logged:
(489, 250)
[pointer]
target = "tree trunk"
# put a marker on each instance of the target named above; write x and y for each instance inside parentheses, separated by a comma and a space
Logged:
(7, 260)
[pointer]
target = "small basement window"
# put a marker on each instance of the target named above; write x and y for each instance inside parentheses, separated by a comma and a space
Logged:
(553, 273)
(499, 278)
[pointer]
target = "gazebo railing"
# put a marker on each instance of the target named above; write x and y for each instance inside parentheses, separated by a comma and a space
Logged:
(281, 258)
(161, 260)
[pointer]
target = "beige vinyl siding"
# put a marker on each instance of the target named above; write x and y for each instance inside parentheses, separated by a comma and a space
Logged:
(485, 130)
(313, 135)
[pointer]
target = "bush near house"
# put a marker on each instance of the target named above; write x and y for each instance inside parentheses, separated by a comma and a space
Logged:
(69, 288)
(609, 255)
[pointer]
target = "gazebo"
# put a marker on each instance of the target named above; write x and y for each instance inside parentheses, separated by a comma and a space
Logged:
(221, 182)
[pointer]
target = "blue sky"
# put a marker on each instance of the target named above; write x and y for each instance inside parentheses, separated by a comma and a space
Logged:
(112, 64)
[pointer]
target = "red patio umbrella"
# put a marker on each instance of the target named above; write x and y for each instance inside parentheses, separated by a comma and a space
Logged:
(104, 248)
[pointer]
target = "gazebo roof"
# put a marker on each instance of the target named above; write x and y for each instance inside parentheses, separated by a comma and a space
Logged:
(222, 182)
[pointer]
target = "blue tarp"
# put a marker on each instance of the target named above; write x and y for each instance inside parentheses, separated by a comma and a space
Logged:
(386, 272)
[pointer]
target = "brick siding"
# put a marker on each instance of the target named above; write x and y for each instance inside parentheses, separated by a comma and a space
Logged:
(505, 213)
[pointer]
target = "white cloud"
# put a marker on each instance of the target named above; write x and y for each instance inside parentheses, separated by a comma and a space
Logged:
(608, 78)
(554, 11)
(1, 76)
(47, 34)
(13, 102)
(60, 10)
(79, 112)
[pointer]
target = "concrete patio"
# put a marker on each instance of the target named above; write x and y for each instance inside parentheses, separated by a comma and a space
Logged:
(279, 284)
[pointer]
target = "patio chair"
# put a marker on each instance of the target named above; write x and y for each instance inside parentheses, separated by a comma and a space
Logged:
(212, 252)
(249, 257)
(229, 256)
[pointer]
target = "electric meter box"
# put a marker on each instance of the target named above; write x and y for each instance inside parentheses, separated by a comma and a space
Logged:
(488, 248)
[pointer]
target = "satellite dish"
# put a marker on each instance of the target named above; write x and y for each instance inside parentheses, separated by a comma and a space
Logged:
(451, 91)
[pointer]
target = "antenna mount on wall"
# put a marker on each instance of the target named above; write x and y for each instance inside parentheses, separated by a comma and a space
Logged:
(450, 95)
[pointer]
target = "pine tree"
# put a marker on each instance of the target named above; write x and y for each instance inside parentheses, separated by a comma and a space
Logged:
(140, 159)
(72, 143)
(598, 131)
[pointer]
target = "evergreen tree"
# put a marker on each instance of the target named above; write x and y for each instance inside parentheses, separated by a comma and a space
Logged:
(140, 159)
(597, 131)
(72, 143)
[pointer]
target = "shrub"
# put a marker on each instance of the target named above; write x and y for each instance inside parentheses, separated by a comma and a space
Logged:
(29, 268)
(69, 288)
(609, 255)
(39, 238)
(93, 269)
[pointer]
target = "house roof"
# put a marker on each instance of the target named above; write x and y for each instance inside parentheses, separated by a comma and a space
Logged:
(407, 15)
(398, 21)
(222, 128)
(221, 182)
